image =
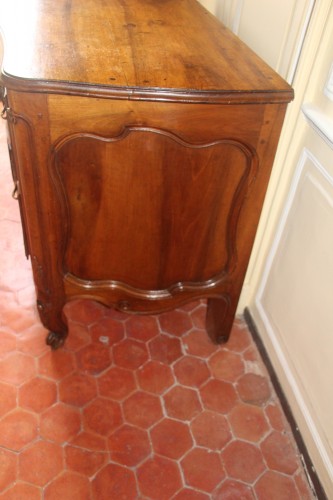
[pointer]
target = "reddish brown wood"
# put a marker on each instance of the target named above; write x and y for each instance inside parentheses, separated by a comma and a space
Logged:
(143, 134)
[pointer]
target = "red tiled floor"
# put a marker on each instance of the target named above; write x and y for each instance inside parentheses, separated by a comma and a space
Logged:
(132, 407)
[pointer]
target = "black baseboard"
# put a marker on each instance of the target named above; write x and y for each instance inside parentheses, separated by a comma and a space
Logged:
(307, 463)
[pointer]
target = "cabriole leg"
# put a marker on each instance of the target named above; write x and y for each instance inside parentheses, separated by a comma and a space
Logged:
(219, 319)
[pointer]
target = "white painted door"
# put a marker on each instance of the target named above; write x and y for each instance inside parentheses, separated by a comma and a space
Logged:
(290, 291)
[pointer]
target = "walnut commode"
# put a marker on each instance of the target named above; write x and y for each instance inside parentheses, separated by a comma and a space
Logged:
(142, 135)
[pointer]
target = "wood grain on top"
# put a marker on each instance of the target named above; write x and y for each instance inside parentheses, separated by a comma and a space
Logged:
(140, 46)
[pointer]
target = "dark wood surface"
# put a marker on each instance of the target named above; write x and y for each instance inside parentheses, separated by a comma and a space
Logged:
(142, 137)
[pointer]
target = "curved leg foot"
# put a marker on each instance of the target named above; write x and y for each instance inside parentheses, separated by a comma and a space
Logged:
(55, 340)
(219, 319)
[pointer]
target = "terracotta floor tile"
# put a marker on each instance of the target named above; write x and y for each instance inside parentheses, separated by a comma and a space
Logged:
(159, 478)
(175, 322)
(114, 481)
(142, 327)
(22, 491)
(165, 349)
(93, 358)
(77, 389)
(182, 403)
(198, 316)
(83, 461)
(67, 486)
(211, 430)
(248, 422)
(60, 423)
(276, 417)
(8, 344)
(302, 486)
(16, 368)
(191, 371)
(40, 462)
(7, 398)
(116, 383)
(240, 338)
(17, 429)
(102, 416)
(129, 445)
(89, 441)
(155, 377)
(226, 365)
(107, 330)
(243, 461)
(130, 353)
(198, 344)
(279, 453)
(32, 341)
(203, 469)
(19, 319)
(27, 296)
(234, 490)
(85, 312)
(189, 494)
(8, 468)
(78, 336)
(56, 364)
(276, 486)
(44, 388)
(171, 438)
(142, 409)
(218, 395)
(254, 389)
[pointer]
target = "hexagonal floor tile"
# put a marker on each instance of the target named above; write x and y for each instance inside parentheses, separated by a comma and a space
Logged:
(116, 383)
(211, 430)
(175, 322)
(218, 395)
(165, 349)
(77, 389)
(191, 371)
(17, 368)
(159, 477)
(248, 422)
(155, 377)
(46, 390)
(94, 358)
(47, 458)
(203, 469)
(114, 481)
(182, 403)
(243, 461)
(142, 327)
(171, 438)
(129, 445)
(60, 423)
(142, 409)
(102, 416)
(85, 461)
(17, 429)
(68, 481)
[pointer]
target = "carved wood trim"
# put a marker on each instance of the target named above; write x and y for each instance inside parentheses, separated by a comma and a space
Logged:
(193, 288)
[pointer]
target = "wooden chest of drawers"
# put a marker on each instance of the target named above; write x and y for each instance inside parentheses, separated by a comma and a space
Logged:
(142, 135)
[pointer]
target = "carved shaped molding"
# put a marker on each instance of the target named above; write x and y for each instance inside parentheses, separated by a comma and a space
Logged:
(91, 169)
